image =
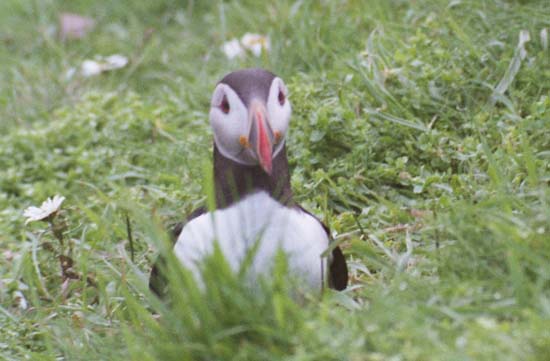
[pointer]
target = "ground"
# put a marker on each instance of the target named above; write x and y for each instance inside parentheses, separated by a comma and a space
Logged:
(419, 135)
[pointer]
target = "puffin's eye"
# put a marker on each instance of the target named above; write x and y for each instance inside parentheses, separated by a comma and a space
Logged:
(224, 106)
(281, 97)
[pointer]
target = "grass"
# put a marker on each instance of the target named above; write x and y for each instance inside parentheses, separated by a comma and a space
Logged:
(419, 134)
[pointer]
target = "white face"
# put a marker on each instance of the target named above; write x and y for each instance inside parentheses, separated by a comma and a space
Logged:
(253, 135)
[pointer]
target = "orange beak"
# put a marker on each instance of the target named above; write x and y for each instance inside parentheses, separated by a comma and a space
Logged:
(262, 144)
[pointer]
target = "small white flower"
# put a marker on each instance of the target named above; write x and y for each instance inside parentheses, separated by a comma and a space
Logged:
(115, 61)
(232, 49)
(256, 43)
(95, 67)
(90, 68)
(48, 207)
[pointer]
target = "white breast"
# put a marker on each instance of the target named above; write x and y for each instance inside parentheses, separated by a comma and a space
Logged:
(257, 218)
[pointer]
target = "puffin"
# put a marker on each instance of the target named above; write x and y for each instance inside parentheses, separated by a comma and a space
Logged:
(255, 209)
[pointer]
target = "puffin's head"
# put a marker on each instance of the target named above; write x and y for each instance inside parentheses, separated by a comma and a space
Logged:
(249, 114)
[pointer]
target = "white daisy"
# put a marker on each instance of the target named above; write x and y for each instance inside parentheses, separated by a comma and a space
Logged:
(115, 61)
(90, 68)
(232, 49)
(95, 67)
(48, 207)
(256, 43)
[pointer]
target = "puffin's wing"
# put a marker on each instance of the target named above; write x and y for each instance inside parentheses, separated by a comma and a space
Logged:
(338, 268)
(157, 280)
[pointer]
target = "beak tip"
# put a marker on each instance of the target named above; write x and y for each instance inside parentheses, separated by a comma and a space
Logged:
(267, 168)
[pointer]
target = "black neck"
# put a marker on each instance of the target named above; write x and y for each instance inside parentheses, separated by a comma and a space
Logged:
(233, 181)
